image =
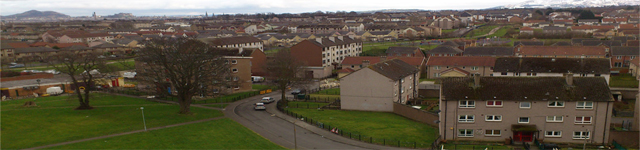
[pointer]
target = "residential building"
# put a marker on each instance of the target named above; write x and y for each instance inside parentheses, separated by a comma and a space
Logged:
(444, 50)
(621, 56)
(236, 42)
(405, 51)
(493, 51)
(378, 86)
(562, 51)
(552, 67)
(359, 62)
(554, 109)
(459, 66)
(322, 55)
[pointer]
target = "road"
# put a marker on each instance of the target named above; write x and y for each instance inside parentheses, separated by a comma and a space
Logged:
(279, 128)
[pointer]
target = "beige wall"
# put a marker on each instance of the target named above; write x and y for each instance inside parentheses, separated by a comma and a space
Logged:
(244, 73)
(368, 90)
(483, 71)
(510, 111)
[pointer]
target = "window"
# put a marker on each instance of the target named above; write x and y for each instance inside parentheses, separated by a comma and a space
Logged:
(556, 104)
(474, 68)
(466, 118)
(633, 57)
(580, 135)
(436, 67)
(494, 103)
(532, 74)
(236, 78)
(492, 133)
(618, 57)
(465, 133)
(523, 120)
(402, 80)
(584, 105)
(436, 74)
(583, 120)
(467, 104)
(554, 118)
(597, 75)
(493, 118)
(553, 134)
(234, 61)
(234, 70)
(617, 64)
(525, 104)
(503, 73)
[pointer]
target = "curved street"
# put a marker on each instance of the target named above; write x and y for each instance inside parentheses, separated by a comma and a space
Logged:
(279, 128)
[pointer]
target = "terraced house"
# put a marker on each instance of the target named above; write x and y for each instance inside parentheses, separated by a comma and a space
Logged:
(554, 109)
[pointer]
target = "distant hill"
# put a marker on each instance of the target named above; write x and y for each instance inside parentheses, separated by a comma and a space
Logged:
(38, 14)
(569, 3)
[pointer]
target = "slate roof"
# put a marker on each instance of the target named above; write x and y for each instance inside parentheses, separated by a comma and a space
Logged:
(445, 50)
(401, 50)
(579, 41)
(553, 65)
(76, 48)
(601, 42)
(489, 51)
(450, 43)
(106, 45)
(461, 61)
(526, 89)
(326, 42)
(528, 43)
(34, 50)
(562, 50)
(394, 69)
(624, 51)
(624, 39)
(416, 61)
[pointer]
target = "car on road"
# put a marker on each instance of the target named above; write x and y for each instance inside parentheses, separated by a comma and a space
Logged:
(297, 91)
(16, 66)
(52, 71)
(259, 106)
(267, 100)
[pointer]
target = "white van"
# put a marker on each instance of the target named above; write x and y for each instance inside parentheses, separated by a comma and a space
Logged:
(56, 90)
(256, 79)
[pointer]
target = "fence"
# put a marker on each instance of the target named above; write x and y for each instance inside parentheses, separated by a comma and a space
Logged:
(318, 90)
(415, 114)
(307, 105)
(355, 135)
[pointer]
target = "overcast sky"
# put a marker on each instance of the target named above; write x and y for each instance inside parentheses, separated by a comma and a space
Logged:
(198, 7)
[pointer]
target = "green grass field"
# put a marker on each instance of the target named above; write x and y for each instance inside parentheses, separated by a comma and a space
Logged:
(483, 30)
(623, 80)
(379, 125)
(334, 91)
(310, 105)
(217, 134)
(228, 98)
(54, 120)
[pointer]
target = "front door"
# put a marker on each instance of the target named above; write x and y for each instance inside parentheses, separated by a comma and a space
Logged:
(522, 136)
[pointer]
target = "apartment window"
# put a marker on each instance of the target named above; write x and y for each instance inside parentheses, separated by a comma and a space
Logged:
(466, 118)
(467, 104)
(492, 133)
(493, 118)
(402, 80)
(617, 64)
(494, 103)
(618, 57)
(584, 105)
(234, 70)
(503, 73)
(583, 120)
(553, 134)
(633, 57)
(583, 75)
(581, 135)
(532, 74)
(436, 74)
(523, 120)
(236, 78)
(234, 61)
(597, 75)
(474, 68)
(436, 67)
(465, 133)
(236, 87)
(525, 104)
(554, 118)
(226, 61)
(556, 104)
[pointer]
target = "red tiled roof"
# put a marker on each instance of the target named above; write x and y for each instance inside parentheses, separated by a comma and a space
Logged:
(621, 19)
(18, 45)
(608, 19)
(562, 50)
(534, 21)
(603, 27)
(346, 70)
(628, 26)
(461, 61)
(60, 45)
(582, 27)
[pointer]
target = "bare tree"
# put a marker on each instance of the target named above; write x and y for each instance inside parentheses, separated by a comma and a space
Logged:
(83, 69)
(190, 67)
(286, 71)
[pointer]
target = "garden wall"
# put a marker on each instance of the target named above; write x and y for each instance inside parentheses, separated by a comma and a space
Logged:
(415, 114)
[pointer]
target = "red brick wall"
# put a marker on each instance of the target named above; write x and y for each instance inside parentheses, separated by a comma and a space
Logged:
(26, 77)
(308, 52)
(258, 62)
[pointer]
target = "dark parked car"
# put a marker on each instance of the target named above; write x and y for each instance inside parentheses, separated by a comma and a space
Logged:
(297, 91)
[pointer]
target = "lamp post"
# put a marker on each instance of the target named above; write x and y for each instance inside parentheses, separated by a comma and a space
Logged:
(143, 121)
(37, 80)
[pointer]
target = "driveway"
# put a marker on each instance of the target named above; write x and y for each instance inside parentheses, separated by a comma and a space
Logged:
(279, 128)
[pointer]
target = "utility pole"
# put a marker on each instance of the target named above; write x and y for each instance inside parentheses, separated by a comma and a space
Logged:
(143, 121)
(295, 140)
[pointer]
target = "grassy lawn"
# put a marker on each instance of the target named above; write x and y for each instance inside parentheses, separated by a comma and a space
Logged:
(55, 121)
(483, 30)
(311, 105)
(379, 125)
(623, 80)
(217, 134)
(334, 91)
(448, 30)
(217, 105)
(322, 97)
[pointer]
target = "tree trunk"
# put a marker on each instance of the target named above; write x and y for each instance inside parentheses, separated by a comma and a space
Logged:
(283, 92)
(185, 103)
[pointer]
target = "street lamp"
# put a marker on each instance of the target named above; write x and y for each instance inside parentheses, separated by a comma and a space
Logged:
(143, 121)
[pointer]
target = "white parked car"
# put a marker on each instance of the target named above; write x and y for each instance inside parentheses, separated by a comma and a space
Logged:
(267, 100)
(260, 106)
(52, 71)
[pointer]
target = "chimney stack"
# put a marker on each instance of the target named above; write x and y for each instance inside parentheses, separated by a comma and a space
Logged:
(332, 39)
(569, 78)
(365, 63)
(319, 40)
(476, 80)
